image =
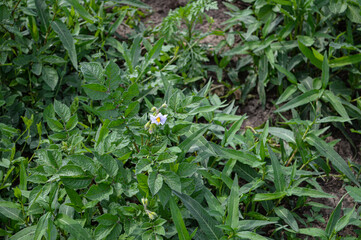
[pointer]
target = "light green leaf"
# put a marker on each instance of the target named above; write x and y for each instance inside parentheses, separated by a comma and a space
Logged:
(314, 232)
(336, 103)
(286, 215)
(325, 150)
(25, 234)
(286, 94)
(67, 39)
(268, 196)
(302, 99)
(355, 193)
(205, 221)
(298, 191)
(155, 182)
(134, 3)
(282, 133)
(62, 110)
(81, 10)
(50, 77)
(250, 235)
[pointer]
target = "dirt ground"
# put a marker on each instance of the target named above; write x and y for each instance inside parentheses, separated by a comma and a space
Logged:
(257, 115)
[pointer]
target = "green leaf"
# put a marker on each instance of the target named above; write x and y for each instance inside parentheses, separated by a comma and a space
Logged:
(309, 54)
(288, 74)
(92, 72)
(76, 182)
(325, 150)
(25, 234)
(344, 220)
(109, 164)
(355, 193)
(250, 235)
(83, 161)
(336, 103)
(71, 124)
(205, 221)
(11, 210)
(155, 182)
(302, 99)
(62, 110)
(233, 205)
(268, 196)
(43, 13)
(298, 191)
(204, 109)
(99, 192)
(67, 39)
(132, 109)
(71, 171)
(192, 139)
(286, 215)
(172, 180)
(95, 91)
(42, 226)
(134, 3)
(353, 12)
(325, 71)
(55, 125)
(279, 179)
(314, 232)
(286, 94)
(282, 133)
(178, 220)
(229, 134)
(73, 227)
(335, 216)
(50, 77)
(81, 10)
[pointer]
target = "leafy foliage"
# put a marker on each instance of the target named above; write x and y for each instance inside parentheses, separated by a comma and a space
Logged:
(85, 155)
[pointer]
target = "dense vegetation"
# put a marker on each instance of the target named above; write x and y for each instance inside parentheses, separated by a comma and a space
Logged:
(111, 137)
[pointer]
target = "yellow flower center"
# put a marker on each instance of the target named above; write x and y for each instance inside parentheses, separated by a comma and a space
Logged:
(158, 119)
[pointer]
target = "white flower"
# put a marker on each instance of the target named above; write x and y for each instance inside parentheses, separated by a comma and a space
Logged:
(159, 119)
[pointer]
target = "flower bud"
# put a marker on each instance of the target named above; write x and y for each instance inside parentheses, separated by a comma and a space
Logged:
(144, 202)
(164, 105)
(147, 125)
(154, 109)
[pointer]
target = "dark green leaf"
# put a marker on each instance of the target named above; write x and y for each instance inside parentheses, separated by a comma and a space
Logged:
(67, 39)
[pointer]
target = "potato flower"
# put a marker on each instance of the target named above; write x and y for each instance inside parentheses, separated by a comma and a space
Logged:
(158, 119)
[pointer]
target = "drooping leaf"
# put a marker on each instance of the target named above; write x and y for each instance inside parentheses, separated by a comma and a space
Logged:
(287, 216)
